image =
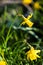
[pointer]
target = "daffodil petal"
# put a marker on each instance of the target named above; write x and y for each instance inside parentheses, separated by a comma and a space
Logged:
(38, 56)
(37, 51)
(29, 16)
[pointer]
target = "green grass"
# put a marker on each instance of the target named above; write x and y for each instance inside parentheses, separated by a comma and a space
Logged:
(14, 39)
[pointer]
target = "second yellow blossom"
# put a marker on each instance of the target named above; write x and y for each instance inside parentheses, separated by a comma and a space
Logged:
(37, 5)
(27, 21)
(26, 1)
(32, 54)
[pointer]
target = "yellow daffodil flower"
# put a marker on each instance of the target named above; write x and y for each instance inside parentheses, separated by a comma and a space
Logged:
(37, 5)
(2, 62)
(26, 1)
(32, 54)
(27, 21)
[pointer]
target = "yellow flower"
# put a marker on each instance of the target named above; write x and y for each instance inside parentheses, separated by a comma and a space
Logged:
(37, 5)
(32, 54)
(27, 21)
(26, 1)
(2, 63)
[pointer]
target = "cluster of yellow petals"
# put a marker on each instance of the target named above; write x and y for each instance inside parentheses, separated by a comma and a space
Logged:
(2, 62)
(27, 21)
(37, 5)
(26, 1)
(32, 54)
